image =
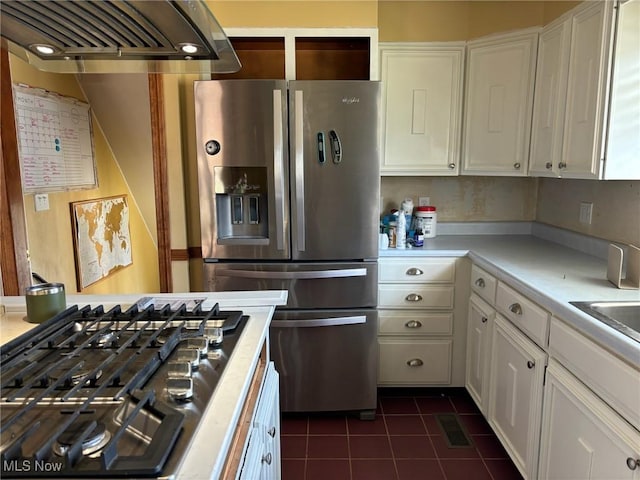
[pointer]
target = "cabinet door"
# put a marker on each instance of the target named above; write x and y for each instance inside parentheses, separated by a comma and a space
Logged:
(478, 348)
(581, 436)
(499, 99)
(515, 394)
(586, 91)
(267, 422)
(422, 90)
(549, 99)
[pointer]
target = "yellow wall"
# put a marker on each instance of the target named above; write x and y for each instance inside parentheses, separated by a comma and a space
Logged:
(295, 14)
(49, 232)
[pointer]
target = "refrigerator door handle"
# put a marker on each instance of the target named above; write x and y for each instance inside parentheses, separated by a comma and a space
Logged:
(299, 162)
(320, 322)
(278, 165)
(312, 275)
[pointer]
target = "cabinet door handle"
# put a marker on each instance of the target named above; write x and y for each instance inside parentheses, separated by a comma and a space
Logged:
(516, 166)
(414, 271)
(562, 165)
(480, 282)
(413, 297)
(267, 458)
(415, 362)
(452, 166)
(516, 308)
(485, 319)
(633, 463)
(531, 364)
(548, 165)
(272, 432)
(413, 324)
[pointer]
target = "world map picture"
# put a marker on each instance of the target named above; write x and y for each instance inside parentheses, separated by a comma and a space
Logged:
(102, 238)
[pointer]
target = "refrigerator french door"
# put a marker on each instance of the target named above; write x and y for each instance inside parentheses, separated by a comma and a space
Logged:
(288, 175)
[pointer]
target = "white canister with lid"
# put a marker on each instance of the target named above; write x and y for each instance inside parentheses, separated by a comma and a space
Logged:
(426, 220)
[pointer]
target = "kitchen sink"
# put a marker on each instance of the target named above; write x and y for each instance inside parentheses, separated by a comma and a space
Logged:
(623, 316)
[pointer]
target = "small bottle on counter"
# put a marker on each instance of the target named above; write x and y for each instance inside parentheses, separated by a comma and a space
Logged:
(418, 238)
(392, 234)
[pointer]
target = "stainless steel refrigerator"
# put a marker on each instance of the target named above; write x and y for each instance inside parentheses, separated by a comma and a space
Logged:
(289, 188)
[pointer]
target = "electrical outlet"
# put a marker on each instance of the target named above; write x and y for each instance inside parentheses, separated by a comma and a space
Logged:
(424, 201)
(586, 210)
(41, 201)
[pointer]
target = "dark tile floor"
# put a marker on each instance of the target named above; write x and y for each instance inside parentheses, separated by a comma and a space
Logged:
(404, 442)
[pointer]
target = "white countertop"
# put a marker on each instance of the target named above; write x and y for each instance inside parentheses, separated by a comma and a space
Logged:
(550, 274)
(210, 444)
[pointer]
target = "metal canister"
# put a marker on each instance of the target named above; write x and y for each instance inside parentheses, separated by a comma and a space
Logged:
(44, 301)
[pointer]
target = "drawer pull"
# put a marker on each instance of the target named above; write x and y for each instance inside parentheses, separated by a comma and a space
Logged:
(415, 362)
(272, 432)
(633, 463)
(480, 282)
(516, 308)
(413, 324)
(531, 364)
(413, 297)
(414, 272)
(267, 458)
(485, 319)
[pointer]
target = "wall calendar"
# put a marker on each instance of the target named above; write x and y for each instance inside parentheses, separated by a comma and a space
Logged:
(55, 142)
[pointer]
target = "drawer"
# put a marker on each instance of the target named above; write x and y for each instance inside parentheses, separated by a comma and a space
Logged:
(523, 313)
(414, 362)
(483, 284)
(415, 296)
(614, 380)
(417, 270)
(415, 323)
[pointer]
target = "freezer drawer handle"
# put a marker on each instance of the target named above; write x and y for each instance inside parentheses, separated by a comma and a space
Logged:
(313, 275)
(415, 362)
(320, 322)
(413, 297)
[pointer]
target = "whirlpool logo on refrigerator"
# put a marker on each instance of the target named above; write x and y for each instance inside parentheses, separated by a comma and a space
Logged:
(350, 100)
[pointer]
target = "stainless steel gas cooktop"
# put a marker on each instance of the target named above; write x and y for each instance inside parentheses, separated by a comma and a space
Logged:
(94, 393)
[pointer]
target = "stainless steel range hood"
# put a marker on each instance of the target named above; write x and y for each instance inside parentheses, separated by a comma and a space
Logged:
(117, 36)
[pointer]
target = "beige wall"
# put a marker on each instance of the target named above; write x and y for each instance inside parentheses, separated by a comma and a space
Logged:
(616, 207)
(466, 199)
(49, 232)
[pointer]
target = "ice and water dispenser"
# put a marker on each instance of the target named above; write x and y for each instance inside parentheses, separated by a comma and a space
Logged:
(241, 204)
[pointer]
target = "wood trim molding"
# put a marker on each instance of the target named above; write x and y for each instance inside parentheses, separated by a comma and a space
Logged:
(14, 255)
(195, 252)
(160, 180)
(180, 255)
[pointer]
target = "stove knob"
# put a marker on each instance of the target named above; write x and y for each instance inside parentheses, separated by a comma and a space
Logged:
(199, 343)
(179, 369)
(214, 335)
(191, 355)
(180, 389)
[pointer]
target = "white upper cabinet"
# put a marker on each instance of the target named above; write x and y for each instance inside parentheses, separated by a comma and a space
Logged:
(550, 99)
(498, 102)
(586, 120)
(422, 92)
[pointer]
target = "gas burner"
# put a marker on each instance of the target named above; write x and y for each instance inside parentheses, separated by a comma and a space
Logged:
(105, 340)
(69, 363)
(91, 445)
(166, 333)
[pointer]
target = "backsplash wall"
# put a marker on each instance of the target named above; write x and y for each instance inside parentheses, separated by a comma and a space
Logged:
(466, 199)
(616, 207)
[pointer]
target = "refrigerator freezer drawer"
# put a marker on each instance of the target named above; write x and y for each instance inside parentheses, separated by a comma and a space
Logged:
(327, 359)
(310, 285)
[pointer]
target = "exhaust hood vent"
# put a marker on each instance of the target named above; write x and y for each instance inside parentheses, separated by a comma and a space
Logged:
(117, 36)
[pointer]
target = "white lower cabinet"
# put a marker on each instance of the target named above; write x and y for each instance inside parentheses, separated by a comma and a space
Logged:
(515, 394)
(262, 459)
(480, 324)
(582, 438)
